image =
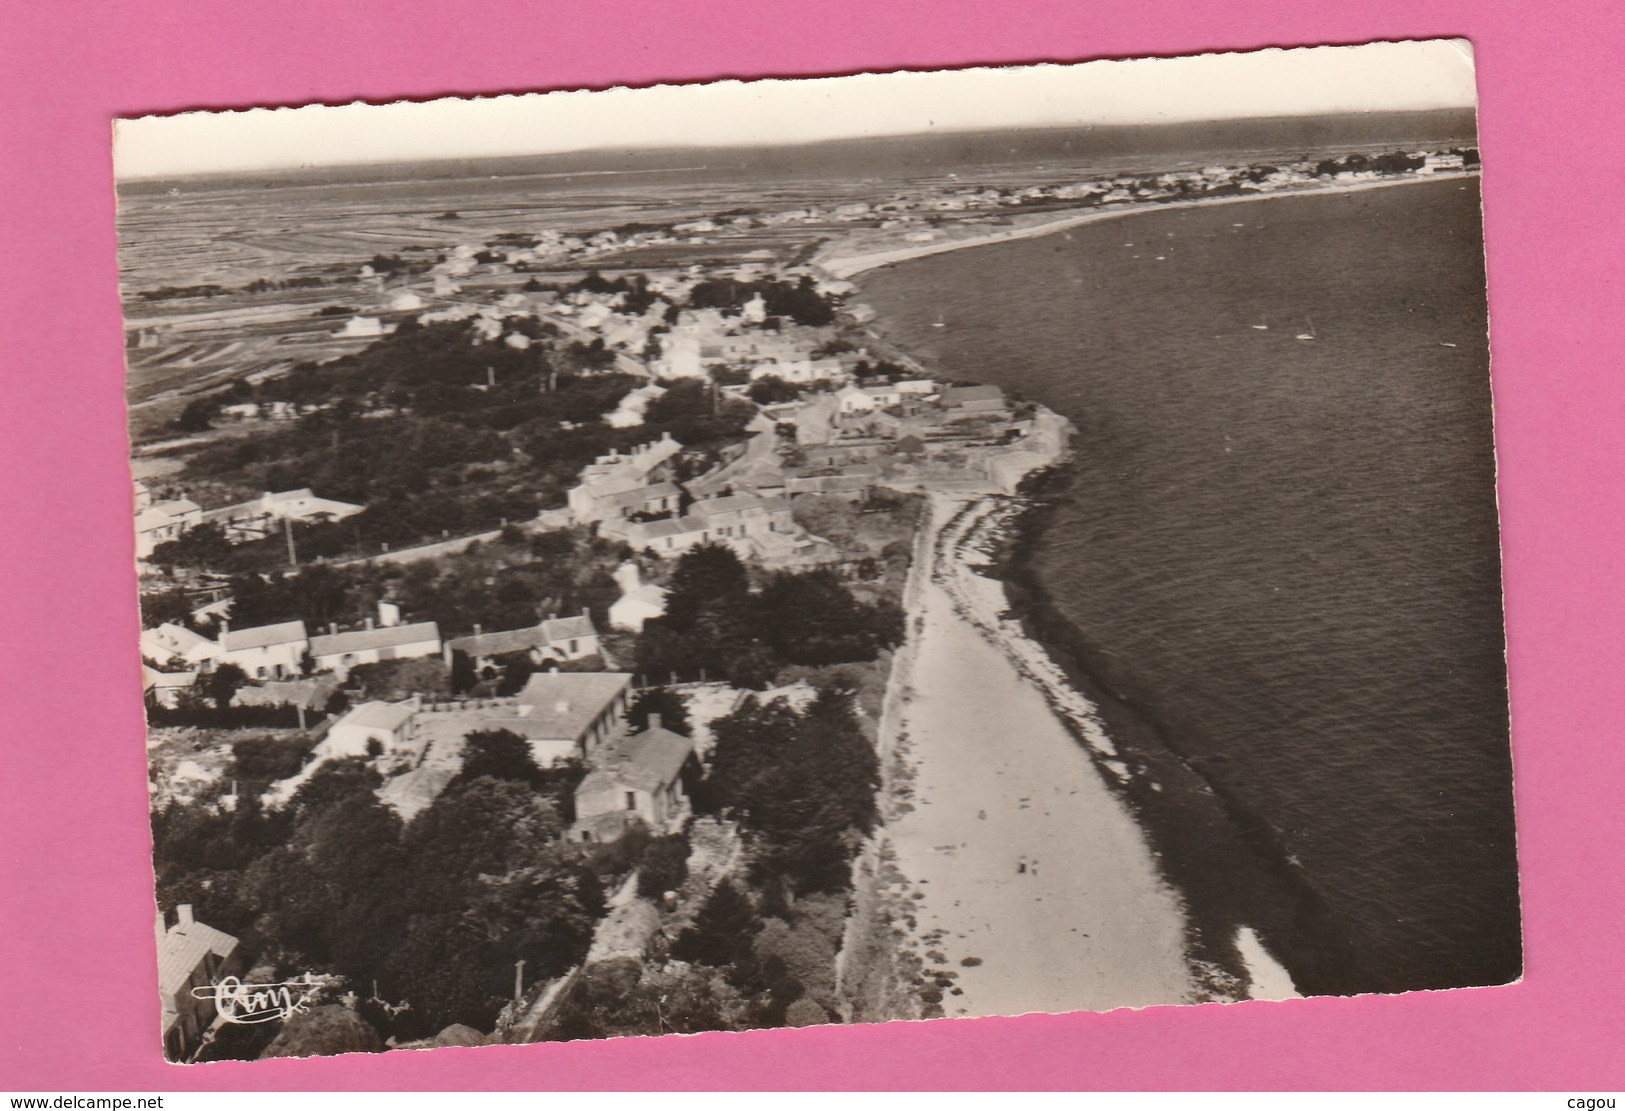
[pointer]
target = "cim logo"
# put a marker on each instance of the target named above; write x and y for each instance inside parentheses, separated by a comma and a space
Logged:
(246, 1004)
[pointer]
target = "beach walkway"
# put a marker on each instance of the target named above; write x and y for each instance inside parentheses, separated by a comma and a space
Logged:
(1020, 859)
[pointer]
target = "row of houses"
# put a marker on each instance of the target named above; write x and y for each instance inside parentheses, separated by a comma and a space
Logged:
(281, 651)
(634, 779)
(158, 522)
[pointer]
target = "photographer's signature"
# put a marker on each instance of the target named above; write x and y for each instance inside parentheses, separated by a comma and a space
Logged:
(249, 1003)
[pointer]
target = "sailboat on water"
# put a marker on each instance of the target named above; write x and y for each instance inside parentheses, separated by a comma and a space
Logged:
(939, 322)
(1263, 325)
(1310, 334)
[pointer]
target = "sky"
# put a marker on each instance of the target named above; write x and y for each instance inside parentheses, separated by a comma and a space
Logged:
(1376, 77)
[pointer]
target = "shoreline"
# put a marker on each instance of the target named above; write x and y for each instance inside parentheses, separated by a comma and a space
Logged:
(1016, 877)
(952, 915)
(847, 266)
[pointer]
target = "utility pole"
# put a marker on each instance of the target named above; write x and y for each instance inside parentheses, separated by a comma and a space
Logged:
(287, 530)
(518, 980)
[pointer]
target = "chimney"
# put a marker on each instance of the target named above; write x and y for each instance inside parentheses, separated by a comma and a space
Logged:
(332, 629)
(477, 629)
(562, 706)
(369, 623)
(654, 721)
(183, 915)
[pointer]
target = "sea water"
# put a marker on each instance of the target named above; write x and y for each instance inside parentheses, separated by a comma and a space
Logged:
(1279, 539)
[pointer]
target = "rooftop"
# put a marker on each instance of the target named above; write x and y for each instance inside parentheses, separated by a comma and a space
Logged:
(562, 705)
(567, 628)
(542, 635)
(959, 395)
(182, 947)
(650, 760)
(379, 715)
(262, 636)
(361, 640)
(677, 526)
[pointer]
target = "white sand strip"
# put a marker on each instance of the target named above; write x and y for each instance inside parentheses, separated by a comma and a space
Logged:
(1021, 855)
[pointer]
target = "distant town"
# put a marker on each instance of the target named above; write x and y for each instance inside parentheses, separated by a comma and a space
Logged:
(520, 611)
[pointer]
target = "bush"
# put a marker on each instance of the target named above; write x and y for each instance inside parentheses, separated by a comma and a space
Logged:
(264, 760)
(663, 866)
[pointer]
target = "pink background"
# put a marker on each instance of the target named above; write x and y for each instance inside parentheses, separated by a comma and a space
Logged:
(79, 1010)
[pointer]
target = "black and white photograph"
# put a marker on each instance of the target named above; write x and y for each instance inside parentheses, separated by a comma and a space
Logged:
(780, 553)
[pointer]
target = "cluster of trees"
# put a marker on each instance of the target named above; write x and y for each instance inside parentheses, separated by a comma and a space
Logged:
(749, 964)
(212, 289)
(796, 301)
(436, 455)
(393, 265)
(715, 621)
(506, 584)
(761, 950)
(436, 910)
(802, 783)
(1393, 162)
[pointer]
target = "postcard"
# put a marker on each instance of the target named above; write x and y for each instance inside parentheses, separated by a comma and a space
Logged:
(770, 554)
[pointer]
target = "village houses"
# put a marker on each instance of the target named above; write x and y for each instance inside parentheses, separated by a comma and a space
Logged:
(266, 651)
(639, 601)
(553, 641)
(190, 955)
(635, 782)
(338, 652)
(170, 645)
(163, 521)
(259, 518)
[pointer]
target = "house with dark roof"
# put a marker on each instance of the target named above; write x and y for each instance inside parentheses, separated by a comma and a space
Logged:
(965, 401)
(339, 652)
(266, 651)
(190, 955)
(555, 640)
(636, 782)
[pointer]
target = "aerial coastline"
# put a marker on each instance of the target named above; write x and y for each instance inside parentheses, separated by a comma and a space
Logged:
(651, 573)
(840, 264)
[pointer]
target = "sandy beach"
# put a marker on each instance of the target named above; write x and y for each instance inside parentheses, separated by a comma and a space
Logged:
(845, 266)
(1028, 883)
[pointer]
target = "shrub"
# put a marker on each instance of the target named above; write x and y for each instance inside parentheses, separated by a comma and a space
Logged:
(663, 866)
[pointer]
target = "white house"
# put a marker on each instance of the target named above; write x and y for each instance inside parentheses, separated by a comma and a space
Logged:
(636, 782)
(364, 327)
(259, 518)
(164, 688)
(161, 522)
(552, 641)
(853, 400)
(266, 651)
(387, 723)
(569, 713)
(170, 643)
(339, 652)
(190, 955)
(639, 601)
